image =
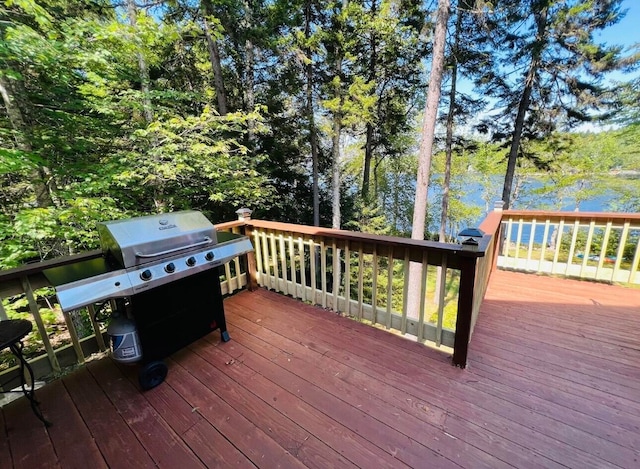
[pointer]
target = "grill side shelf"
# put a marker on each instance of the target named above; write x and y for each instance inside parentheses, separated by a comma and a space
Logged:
(90, 290)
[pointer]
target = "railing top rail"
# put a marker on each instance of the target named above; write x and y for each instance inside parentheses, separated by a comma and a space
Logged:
(491, 223)
(554, 215)
(227, 225)
(356, 236)
(37, 267)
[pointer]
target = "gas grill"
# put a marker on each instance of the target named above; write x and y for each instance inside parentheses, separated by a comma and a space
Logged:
(163, 272)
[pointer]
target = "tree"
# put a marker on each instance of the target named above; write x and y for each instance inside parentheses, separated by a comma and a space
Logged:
(388, 55)
(429, 122)
(465, 58)
(214, 55)
(552, 42)
(336, 55)
(426, 151)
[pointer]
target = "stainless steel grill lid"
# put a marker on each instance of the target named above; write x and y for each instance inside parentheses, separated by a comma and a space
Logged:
(142, 240)
(143, 253)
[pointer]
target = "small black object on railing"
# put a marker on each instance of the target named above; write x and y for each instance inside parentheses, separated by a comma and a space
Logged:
(470, 238)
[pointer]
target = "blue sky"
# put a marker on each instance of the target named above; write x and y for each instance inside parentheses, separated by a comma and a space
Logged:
(627, 31)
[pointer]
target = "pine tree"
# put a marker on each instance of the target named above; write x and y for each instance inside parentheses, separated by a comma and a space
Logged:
(548, 68)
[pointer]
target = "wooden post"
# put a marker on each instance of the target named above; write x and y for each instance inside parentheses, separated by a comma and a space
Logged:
(465, 311)
(244, 214)
(252, 269)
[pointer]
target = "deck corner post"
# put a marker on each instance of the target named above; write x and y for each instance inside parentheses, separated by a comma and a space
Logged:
(465, 310)
(252, 268)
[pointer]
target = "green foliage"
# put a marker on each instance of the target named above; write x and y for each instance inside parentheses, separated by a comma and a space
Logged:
(194, 161)
(72, 69)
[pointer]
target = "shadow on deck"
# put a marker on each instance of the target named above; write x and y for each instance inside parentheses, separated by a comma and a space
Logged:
(553, 380)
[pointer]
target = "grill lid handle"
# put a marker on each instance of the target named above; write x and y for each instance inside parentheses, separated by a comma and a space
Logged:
(207, 240)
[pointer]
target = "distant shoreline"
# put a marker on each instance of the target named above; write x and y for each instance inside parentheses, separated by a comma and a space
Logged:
(625, 173)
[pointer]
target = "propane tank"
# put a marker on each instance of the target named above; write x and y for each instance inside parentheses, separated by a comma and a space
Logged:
(125, 344)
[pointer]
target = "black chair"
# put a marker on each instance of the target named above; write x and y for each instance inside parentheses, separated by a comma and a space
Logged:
(12, 332)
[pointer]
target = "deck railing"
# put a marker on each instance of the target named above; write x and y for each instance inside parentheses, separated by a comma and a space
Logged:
(598, 246)
(366, 277)
(362, 275)
(69, 340)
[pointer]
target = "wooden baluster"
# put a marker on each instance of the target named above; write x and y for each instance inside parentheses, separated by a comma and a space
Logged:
(274, 261)
(374, 287)
(323, 272)
(227, 274)
(603, 250)
(312, 266)
(360, 282)
(389, 285)
(283, 264)
(292, 267)
(257, 245)
(572, 247)
(91, 309)
(507, 242)
(532, 235)
(266, 261)
(236, 263)
(347, 277)
(423, 297)
(303, 271)
(620, 251)
(518, 240)
(337, 272)
(405, 295)
(587, 248)
(441, 297)
(556, 253)
(545, 236)
(634, 264)
(73, 334)
(35, 312)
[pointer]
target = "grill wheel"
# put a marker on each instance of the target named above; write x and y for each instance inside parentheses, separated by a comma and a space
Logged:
(152, 374)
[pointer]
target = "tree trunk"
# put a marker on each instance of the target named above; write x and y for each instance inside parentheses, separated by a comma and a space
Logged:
(426, 151)
(250, 102)
(523, 106)
(449, 138)
(313, 143)
(368, 156)
(429, 123)
(368, 147)
(335, 140)
(145, 81)
(335, 172)
(444, 215)
(40, 177)
(214, 57)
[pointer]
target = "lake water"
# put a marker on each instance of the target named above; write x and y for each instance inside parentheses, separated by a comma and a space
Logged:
(476, 194)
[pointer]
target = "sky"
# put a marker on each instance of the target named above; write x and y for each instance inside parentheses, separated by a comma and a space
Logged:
(625, 33)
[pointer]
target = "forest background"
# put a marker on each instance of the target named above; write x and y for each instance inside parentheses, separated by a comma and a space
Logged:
(306, 112)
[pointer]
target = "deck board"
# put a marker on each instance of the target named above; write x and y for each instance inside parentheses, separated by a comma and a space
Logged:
(553, 381)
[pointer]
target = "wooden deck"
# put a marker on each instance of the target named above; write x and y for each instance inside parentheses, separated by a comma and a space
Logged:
(553, 381)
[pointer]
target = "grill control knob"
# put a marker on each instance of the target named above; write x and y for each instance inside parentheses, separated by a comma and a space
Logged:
(191, 261)
(146, 275)
(170, 268)
(209, 256)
